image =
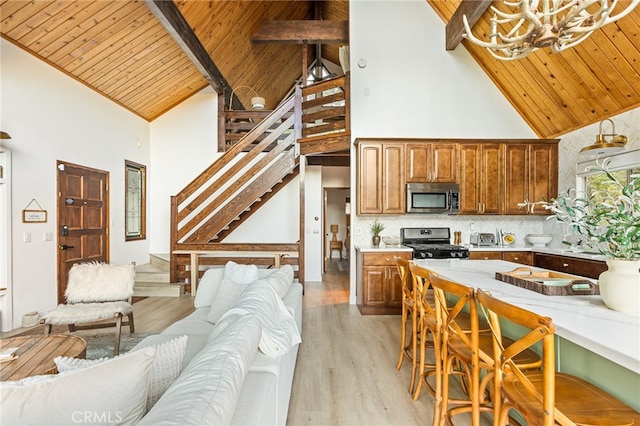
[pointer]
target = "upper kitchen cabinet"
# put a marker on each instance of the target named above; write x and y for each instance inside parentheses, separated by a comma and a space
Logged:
(481, 178)
(531, 174)
(432, 162)
(381, 182)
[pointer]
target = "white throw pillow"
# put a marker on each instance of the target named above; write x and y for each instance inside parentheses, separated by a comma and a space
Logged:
(228, 293)
(166, 366)
(207, 391)
(113, 392)
(208, 287)
(241, 274)
(281, 280)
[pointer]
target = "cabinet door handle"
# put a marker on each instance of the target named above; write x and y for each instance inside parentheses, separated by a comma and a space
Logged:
(516, 258)
(565, 264)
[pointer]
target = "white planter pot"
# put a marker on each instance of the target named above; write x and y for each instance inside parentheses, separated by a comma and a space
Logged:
(620, 285)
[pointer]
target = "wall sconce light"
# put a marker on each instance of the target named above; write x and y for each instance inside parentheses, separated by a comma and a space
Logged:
(604, 146)
(257, 102)
(334, 231)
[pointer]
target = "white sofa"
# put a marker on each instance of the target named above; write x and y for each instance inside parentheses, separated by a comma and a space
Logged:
(263, 398)
(235, 365)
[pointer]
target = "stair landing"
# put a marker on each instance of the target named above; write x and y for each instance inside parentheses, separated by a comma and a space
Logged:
(152, 279)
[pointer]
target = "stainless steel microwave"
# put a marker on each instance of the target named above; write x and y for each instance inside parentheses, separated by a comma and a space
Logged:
(441, 198)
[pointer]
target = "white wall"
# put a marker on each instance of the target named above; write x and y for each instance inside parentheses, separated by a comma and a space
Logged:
(184, 143)
(52, 117)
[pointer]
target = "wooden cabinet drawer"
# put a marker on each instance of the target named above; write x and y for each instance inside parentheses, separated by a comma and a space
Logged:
(384, 259)
(485, 255)
(524, 257)
(570, 265)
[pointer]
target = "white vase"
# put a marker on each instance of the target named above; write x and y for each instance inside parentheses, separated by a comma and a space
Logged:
(620, 285)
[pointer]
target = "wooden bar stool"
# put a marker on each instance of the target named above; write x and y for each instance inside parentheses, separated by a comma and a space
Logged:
(467, 349)
(426, 336)
(543, 397)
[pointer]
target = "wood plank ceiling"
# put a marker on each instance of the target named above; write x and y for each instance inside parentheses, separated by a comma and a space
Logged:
(120, 49)
(561, 92)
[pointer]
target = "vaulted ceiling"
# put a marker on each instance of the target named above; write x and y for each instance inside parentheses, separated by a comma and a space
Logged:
(123, 51)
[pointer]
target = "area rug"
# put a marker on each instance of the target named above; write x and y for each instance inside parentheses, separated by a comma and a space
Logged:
(101, 345)
(343, 265)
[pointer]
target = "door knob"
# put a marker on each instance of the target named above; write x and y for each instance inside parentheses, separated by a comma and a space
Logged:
(66, 247)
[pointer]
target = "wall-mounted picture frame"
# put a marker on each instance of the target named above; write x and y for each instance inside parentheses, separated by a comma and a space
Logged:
(135, 202)
(34, 216)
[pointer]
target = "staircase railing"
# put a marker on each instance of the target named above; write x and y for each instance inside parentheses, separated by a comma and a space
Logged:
(227, 188)
(260, 149)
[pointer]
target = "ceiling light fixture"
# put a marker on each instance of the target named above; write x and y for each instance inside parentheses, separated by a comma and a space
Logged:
(528, 25)
(257, 102)
(604, 146)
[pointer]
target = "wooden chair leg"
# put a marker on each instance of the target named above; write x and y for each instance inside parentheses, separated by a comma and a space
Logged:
(131, 328)
(47, 328)
(403, 336)
(116, 347)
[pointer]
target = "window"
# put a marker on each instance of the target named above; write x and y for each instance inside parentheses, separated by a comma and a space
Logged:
(623, 167)
(135, 201)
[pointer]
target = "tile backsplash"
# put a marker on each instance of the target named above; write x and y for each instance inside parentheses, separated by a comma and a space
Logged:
(518, 225)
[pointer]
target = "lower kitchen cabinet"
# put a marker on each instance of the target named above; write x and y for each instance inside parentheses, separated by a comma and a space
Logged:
(524, 257)
(571, 265)
(379, 288)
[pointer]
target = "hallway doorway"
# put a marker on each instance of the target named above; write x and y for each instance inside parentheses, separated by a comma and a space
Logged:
(336, 227)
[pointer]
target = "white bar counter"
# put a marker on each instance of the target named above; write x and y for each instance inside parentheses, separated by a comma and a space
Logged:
(583, 320)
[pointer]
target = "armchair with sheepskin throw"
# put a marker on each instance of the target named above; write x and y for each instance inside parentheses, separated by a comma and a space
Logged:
(95, 292)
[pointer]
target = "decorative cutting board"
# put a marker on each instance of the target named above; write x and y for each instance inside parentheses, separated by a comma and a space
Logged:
(549, 283)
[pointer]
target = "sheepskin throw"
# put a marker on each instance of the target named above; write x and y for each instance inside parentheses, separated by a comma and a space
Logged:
(86, 312)
(99, 282)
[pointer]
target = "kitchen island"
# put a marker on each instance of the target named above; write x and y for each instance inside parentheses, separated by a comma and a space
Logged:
(593, 342)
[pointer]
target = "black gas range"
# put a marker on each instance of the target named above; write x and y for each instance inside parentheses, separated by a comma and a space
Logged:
(432, 243)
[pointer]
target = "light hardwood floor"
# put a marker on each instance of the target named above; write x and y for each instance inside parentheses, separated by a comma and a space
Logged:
(345, 372)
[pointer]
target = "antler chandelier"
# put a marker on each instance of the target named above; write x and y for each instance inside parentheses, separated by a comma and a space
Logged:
(535, 24)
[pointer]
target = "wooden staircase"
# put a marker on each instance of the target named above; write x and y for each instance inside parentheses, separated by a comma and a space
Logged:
(152, 279)
(262, 156)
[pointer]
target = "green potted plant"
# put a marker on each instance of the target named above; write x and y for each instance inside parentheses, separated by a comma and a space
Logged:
(376, 228)
(610, 222)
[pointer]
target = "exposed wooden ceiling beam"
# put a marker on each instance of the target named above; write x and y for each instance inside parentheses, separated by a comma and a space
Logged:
(169, 15)
(300, 32)
(454, 29)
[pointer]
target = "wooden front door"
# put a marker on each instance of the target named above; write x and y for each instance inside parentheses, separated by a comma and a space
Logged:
(83, 218)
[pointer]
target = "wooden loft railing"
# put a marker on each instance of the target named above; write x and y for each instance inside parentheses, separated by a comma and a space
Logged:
(326, 125)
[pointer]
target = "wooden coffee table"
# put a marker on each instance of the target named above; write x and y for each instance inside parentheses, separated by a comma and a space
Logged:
(36, 353)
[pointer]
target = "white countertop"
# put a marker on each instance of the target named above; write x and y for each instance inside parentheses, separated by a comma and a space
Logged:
(383, 249)
(583, 320)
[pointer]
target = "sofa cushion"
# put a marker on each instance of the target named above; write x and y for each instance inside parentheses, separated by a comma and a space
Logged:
(281, 280)
(279, 330)
(208, 287)
(227, 295)
(113, 392)
(195, 343)
(241, 274)
(210, 282)
(166, 366)
(207, 391)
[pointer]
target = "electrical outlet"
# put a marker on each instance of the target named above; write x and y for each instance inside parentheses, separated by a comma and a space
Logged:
(26, 237)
